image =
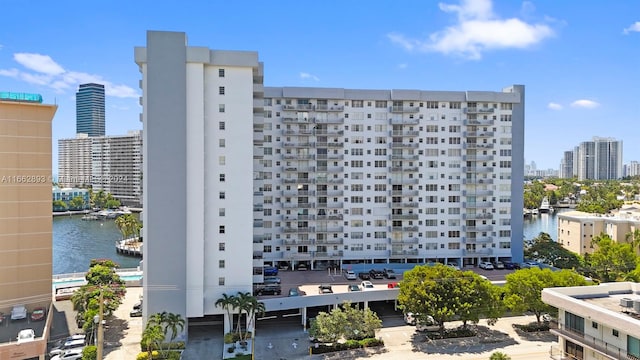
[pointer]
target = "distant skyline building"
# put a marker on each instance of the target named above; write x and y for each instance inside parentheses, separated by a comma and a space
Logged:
(90, 110)
(325, 176)
(599, 159)
(109, 163)
(632, 169)
(566, 165)
(25, 215)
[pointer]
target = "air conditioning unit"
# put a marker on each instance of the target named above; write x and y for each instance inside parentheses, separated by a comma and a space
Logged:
(626, 302)
(636, 305)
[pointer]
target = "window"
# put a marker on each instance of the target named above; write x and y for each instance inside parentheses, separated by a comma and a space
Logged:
(615, 333)
(381, 104)
(221, 125)
(222, 176)
(221, 90)
(222, 195)
(221, 264)
(594, 324)
(221, 246)
(221, 212)
(221, 281)
(220, 72)
(221, 108)
(221, 229)
(221, 143)
(356, 103)
(221, 160)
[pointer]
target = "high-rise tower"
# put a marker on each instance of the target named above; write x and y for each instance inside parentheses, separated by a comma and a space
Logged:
(90, 110)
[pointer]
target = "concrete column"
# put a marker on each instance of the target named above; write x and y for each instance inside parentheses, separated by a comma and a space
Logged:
(366, 304)
(303, 311)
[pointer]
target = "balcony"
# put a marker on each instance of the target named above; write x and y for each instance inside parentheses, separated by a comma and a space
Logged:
(295, 192)
(478, 122)
(477, 181)
(329, 121)
(476, 157)
(477, 228)
(324, 254)
(479, 134)
(296, 120)
(404, 121)
(258, 239)
(404, 157)
(397, 145)
(335, 144)
(331, 229)
(404, 192)
(258, 193)
(257, 255)
(399, 205)
(590, 343)
(477, 205)
(403, 217)
(477, 169)
(468, 145)
(303, 132)
(478, 216)
(329, 132)
(334, 205)
(329, 241)
(329, 107)
(293, 229)
(404, 241)
(404, 133)
(477, 252)
(411, 252)
(477, 110)
(477, 192)
(405, 109)
(298, 156)
(296, 256)
(297, 241)
(297, 205)
(330, 217)
(257, 208)
(298, 144)
(324, 180)
(298, 181)
(403, 181)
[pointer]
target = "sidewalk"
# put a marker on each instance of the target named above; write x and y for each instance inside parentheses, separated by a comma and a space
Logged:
(123, 333)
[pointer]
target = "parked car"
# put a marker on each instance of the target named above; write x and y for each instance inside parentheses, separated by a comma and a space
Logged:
(270, 271)
(18, 312)
(302, 267)
(26, 335)
(511, 265)
(283, 267)
(73, 354)
(393, 285)
(325, 289)
(530, 264)
(271, 280)
(376, 274)
(364, 276)
(135, 313)
(137, 305)
(350, 275)
(366, 285)
(389, 273)
(426, 323)
(498, 265)
(294, 292)
(75, 343)
(270, 289)
(38, 314)
(60, 343)
(485, 265)
(353, 287)
(453, 265)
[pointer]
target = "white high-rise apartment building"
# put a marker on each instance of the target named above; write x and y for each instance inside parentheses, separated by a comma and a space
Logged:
(237, 175)
(599, 159)
(109, 163)
(74, 161)
(116, 166)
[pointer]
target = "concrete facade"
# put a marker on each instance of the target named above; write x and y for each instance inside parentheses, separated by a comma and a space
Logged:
(25, 211)
(596, 322)
(599, 159)
(90, 110)
(340, 176)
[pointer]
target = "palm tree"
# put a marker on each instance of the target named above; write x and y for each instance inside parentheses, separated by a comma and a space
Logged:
(633, 238)
(152, 335)
(173, 322)
(499, 356)
(227, 303)
(253, 307)
(242, 302)
(123, 226)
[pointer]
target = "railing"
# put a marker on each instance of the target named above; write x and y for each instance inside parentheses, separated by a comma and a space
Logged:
(329, 121)
(404, 109)
(477, 122)
(472, 110)
(403, 216)
(404, 192)
(403, 145)
(477, 157)
(404, 252)
(478, 216)
(330, 217)
(469, 145)
(404, 157)
(329, 108)
(588, 341)
(404, 121)
(404, 133)
(329, 241)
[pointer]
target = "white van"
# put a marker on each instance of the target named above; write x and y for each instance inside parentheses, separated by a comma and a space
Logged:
(71, 344)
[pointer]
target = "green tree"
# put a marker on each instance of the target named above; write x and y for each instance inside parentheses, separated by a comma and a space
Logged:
(243, 302)
(611, 260)
(112, 204)
(59, 205)
(444, 293)
(152, 337)
(633, 238)
(523, 288)
(90, 352)
(172, 323)
(345, 322)
(227, 303)
(253, 307)
(481, 299)
(77, 203)
(499, 356)
(550, 252)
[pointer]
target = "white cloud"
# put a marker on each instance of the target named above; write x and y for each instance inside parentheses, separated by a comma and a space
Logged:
(39, 63)
(634, 27)
(586, 104)
(554, 106)
(477, 30)
(42, 70)
(304, 76)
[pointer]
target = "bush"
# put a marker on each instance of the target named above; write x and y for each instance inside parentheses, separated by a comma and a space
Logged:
(231, 349)
(90, 352)
(460, 332)
(532, 327)
(347, 345)
(155, 355)
(176, 345)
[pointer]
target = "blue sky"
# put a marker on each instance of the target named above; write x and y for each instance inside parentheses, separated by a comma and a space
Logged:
(578, 60)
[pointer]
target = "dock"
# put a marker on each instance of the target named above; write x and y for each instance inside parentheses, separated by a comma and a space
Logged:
(131, 247)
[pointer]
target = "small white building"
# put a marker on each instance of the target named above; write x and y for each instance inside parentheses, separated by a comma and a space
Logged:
(596, 322)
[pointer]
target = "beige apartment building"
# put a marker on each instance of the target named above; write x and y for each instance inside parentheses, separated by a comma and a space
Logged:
(25, 210)
(576, 229)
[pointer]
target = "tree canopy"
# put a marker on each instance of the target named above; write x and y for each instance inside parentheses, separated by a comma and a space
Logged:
(345, 322)
(611, 261)
(548, 251)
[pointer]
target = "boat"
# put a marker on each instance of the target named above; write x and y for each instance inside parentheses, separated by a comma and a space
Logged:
(545, 207)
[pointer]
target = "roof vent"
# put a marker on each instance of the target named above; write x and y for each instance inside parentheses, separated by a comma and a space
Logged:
(626, 302)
